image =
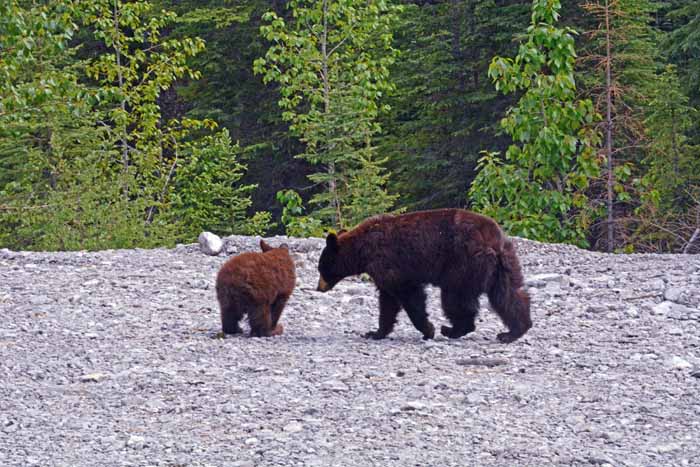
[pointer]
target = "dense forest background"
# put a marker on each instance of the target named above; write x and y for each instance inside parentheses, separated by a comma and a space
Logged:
(141, 123)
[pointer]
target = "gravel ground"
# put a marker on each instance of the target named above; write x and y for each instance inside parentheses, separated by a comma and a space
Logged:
(112, 359)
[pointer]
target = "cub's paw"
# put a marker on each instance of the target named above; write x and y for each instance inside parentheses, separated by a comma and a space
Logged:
(374, 335)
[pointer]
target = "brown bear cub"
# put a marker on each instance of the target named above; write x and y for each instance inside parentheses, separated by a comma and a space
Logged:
(464, 253)
(258, 284)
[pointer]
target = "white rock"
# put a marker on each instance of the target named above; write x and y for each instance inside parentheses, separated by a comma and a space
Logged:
(677, 363)
(210, 244)
(541, 280)
(136, 442)
(251, 441)
(93, 377)
(673, 294)
(335, 385)
(293, 427)
(413, 405)
(662, 308)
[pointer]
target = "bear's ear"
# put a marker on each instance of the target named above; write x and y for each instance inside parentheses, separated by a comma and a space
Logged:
(332, 242)
(341, 231)
(264, 246)
(284, 245)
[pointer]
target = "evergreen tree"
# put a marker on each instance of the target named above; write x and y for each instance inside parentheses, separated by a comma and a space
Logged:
(623, 52)
(682, 44)
(332, 63)
(444, 110)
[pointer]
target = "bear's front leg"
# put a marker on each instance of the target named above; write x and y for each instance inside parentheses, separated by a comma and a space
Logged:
(389, 307)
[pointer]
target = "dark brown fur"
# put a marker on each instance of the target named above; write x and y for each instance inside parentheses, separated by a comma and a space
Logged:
(257, 284)
(464, 253)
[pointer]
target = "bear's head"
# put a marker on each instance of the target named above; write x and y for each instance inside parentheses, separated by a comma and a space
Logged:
(328, 265)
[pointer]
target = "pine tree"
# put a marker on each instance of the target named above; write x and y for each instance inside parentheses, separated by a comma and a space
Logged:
(623, 53)
(332, 63)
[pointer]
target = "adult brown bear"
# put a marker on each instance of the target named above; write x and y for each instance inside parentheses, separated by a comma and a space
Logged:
(464, 253)
(258, 284)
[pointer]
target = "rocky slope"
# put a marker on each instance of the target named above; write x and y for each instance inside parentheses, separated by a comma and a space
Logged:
(112, 359)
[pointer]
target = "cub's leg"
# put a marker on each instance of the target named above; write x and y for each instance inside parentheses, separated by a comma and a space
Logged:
(231, 312)
(389, 307)
(461, 309)
(277, 308)
(259, 318)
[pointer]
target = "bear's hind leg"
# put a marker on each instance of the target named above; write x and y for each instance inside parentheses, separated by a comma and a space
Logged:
(260, 324)
(461, 310)
(413, 301)
(277, 308)
(230, 315)
(389, 307)
(275, 312)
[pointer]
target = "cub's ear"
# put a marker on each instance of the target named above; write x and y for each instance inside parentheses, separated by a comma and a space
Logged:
(332, 242)
(264, 246)
(284, 245)
(342, 231)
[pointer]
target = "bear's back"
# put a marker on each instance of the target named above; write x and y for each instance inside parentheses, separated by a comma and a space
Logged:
(261, 276)
(421, 246)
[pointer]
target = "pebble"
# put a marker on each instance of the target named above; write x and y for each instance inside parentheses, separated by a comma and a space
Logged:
(93, 377)
(136, 442)
(293, 427)
(678, 363)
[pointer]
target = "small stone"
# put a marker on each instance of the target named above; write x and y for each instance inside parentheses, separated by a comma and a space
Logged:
(93, 377)
(595, 309)
(541, 280)
(40, 300)
(210, 244)
(413, 405)
(358, 301)
(251, 441)
(293, 427)
(473, 399)
(673, 294)
(669, 447)
(136, 442)
(677, 363)
(335, 385)
(662, 308)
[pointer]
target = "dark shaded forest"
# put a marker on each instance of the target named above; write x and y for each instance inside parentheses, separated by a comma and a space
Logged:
(141, 123)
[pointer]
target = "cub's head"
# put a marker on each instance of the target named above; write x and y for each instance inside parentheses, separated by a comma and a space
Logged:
(328, 267)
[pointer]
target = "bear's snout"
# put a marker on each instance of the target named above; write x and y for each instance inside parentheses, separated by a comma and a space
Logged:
(323, 286)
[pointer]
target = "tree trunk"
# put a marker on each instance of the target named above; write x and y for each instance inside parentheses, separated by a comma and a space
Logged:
(332, 185)
(608, 131)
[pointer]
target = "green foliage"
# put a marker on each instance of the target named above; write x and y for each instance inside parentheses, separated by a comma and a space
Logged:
(682, 44)
(295, 223)
(539, 190)
(671, 182)
(444, 110)
(93, 164)
(206, 194)
(332, 64)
